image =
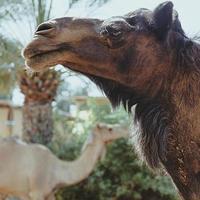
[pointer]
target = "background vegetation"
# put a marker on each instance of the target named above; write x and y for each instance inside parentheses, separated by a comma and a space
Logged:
(120, 176)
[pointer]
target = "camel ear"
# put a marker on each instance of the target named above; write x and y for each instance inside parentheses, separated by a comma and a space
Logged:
(163, 15)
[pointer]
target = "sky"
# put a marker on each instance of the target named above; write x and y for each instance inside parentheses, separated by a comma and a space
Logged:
(189, 11)
(189, 15)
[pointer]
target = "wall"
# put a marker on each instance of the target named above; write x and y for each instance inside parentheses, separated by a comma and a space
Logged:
(10, 119)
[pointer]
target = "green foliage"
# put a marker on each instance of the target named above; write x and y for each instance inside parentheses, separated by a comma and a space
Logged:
(120, 176)
(72, 2)
(5, 5)
(10, 52)
(98, 2)
(103, 113)
(10, 61)
(36, 11)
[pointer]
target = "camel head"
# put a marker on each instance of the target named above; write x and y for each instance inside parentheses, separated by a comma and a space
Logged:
(108, 133)
(127, 56)
(105, 133)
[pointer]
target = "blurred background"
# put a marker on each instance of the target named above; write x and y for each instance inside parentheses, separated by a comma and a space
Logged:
(58, 107)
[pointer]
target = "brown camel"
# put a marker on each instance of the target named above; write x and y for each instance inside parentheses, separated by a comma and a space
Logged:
(145, 59)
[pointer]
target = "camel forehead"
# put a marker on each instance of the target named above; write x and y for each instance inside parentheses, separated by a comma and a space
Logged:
(142, 13)
(118, 21)
(114, 19)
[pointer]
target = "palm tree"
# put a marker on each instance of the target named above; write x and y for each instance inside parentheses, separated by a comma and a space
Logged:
(40, 88)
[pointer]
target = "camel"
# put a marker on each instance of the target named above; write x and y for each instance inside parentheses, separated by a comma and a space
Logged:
(33, 172)
(145, 61)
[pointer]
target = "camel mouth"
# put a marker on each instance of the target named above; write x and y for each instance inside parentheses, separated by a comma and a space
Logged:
(38, 61)
(33, 49)
(33, 54)
(41, 57)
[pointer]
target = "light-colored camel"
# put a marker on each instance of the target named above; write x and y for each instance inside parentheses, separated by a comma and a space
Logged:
(31, 171)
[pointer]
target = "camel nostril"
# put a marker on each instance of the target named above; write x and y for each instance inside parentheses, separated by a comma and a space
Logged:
(44, 28)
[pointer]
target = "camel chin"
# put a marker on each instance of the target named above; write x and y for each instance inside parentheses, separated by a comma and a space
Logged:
(34, 66)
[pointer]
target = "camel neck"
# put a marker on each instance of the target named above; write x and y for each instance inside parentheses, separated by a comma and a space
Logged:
(183, 162)
(185, 97)
(70, 173)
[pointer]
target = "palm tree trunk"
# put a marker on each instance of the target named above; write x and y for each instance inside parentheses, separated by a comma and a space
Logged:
(39, 90)
(37, 122)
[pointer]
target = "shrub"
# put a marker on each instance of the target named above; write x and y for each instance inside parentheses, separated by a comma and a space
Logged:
(120, 176)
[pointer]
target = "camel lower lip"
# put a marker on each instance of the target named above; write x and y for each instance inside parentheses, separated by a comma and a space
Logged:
(40, 61)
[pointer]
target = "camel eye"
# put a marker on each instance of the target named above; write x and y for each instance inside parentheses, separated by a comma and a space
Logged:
(114, 32)
(132, 21)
